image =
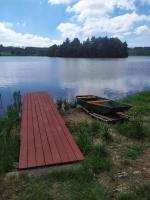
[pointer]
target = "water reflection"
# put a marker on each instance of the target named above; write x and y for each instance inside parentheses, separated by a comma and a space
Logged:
(61, 77)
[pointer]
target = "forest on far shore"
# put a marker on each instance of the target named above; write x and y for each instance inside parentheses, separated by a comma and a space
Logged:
(91, 48)
(101, 47)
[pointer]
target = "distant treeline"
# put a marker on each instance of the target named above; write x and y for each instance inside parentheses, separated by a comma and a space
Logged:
(139, 51)
(91, 48)
(28, 51)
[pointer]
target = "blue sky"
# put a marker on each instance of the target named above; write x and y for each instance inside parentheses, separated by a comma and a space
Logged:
(46, 22)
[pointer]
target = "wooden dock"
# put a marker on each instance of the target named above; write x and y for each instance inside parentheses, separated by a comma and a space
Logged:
(44, 137)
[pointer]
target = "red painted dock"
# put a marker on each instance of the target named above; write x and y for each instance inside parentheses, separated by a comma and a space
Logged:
(44, 137)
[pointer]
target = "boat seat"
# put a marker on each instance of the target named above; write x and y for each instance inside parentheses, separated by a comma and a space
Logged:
(87, 97)
(99, 101)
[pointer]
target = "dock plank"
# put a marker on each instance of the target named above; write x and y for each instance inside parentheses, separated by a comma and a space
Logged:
(38, 141)
(44, 138)
(46, 147)
(31, 143)
(62, 143)
(66, 134)
(51, 137)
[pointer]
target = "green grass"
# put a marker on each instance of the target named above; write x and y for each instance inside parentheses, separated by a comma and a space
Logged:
(138, 126)
(96, 156)
(36, 190)
(98, 159)
(95, 129)
(82, 183)
(81, 186)
(85, 142)
(134, 128)
(133, 151)
(63, 185)
(85, 132)
(9, 135)
(9, 146)
(84, 136)
(140, 192)
(105, 133)
(140, 102)
(5, 53)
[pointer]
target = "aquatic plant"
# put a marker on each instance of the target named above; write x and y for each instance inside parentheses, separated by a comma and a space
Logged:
(17, 100)
(0, 99)
(63, 104)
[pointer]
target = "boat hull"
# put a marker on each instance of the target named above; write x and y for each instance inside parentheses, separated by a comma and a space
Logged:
(108, 108)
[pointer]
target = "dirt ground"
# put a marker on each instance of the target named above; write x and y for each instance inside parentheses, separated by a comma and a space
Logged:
(76, 115)
(125, 173)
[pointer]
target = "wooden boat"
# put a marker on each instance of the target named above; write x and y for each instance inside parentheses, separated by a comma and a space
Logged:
(101, 105)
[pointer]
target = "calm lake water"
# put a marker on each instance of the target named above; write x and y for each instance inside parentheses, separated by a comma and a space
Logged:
(61, 77)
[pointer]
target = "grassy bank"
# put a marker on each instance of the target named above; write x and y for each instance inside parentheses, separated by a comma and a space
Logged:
(116, 164)
(6, 54)
(9, 135)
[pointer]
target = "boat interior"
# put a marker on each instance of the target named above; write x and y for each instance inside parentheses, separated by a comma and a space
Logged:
(94, 100)
(98, 102)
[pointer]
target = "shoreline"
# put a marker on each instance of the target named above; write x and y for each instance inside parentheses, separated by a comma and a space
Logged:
(72, 57)
(116, 158)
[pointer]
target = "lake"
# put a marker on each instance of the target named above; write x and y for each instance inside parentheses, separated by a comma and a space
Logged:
(68, 77)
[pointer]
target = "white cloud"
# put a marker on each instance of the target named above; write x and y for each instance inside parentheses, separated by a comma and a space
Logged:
(127, 33)
(116, 25)
(59, 1)
(84, 9)
(91, 17)
(121, 37)
(69, 30)
(142, 30)
(125, 4)
(9, 37)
